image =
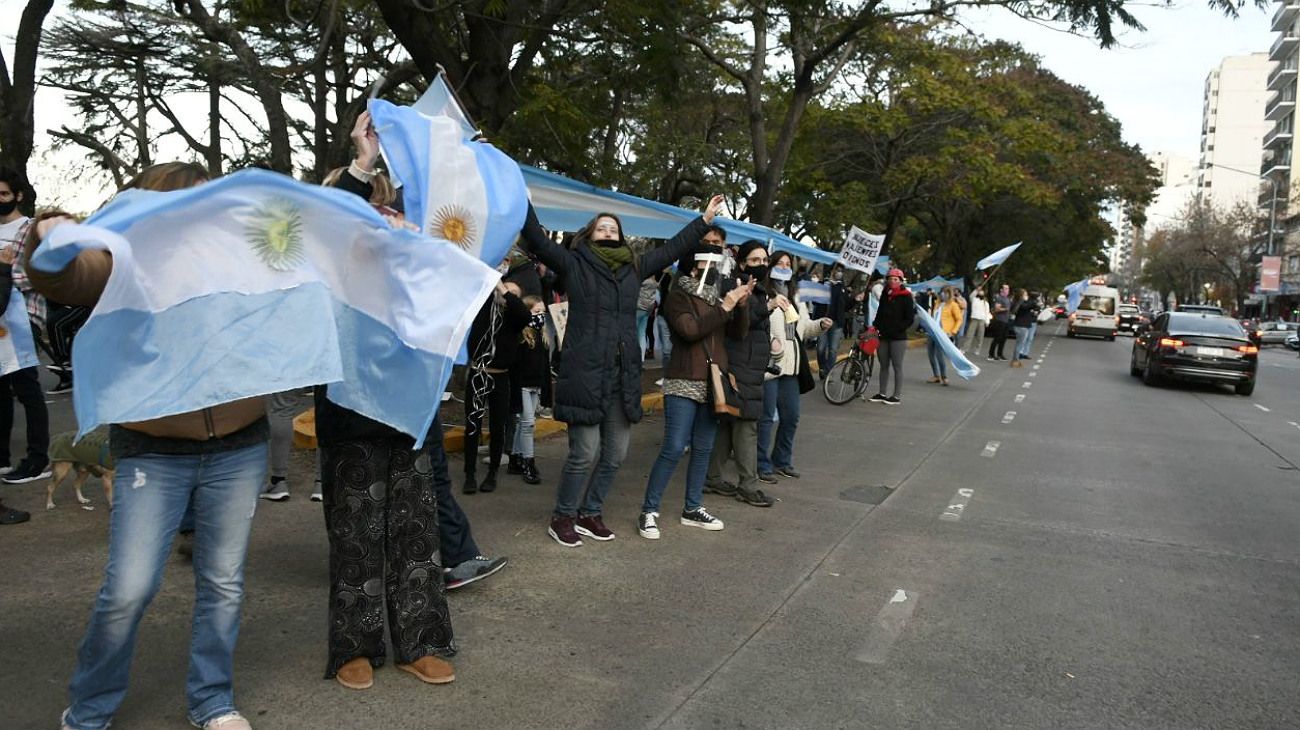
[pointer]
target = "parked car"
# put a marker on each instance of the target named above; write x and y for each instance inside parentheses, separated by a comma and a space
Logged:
(1197, 347)
(1274, 333)
(1130, 318)
(1292, 340)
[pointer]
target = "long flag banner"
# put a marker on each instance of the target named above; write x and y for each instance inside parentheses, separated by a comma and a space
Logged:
(17, 348)
(997, 257)
(468, 193)
(256, 283)
(964, 367)
(440, 101)
(815, 292)
(1074, 294)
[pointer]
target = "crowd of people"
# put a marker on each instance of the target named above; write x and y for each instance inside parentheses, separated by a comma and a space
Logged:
(728, 324)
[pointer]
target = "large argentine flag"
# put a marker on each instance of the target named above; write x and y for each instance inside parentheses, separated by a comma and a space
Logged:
(17, 348)
(468, 193)
(1074, 294)
(255, 284)
(963, 366)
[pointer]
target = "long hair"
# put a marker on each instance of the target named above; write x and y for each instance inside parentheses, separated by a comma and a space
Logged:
(792, 286)
(168, 176)
(529, 335)
(382, 191)
(584, 234)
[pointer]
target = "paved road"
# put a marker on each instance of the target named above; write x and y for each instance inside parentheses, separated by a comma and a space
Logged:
(1111, 555)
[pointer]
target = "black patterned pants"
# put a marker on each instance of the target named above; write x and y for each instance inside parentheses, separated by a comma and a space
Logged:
(382, 518)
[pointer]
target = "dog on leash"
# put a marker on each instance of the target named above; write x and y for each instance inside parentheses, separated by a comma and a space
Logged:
(87, 457)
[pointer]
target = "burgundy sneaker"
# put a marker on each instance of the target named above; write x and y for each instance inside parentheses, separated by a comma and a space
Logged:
(594, 527)
(561, 530)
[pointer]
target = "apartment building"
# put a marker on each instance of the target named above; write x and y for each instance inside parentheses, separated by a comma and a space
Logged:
(1275, 166)
(1235, 124)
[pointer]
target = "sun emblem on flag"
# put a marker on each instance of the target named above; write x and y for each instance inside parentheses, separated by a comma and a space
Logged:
(454, 223)
(275, 233)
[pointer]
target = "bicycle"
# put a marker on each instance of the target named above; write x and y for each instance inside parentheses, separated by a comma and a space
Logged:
(848, 378)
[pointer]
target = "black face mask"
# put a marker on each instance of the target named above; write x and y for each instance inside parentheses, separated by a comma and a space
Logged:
(609, 243)
(758, 272)
(711, 276)
(537, 321)
(7, 208)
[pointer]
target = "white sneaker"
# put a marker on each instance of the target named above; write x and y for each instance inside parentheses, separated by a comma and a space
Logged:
(647, 525)
(701, 519)
(228, 721)
(276, 492)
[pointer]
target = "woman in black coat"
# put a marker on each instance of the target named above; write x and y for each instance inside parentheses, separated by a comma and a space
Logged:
(598, 389)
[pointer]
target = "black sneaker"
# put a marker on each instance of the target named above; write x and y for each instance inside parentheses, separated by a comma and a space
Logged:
(723, 488)
(881, 397)
(754, 497)
(63, 386)
(473, 570)
(27, 472)
(489, 484)
(788, 472)
(698, 517)
(893, 400)
(515, 465)
(767, 477)
(10, 516)
(471, 485)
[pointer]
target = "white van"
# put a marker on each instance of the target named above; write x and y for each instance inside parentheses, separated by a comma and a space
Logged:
(1098, 313)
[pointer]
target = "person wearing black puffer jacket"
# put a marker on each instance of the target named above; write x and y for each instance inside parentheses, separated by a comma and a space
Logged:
(894, 317)
(748, 357)
(598, 391)
(493, 342)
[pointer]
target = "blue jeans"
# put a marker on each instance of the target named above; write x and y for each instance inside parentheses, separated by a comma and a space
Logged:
(780, 398)
(642, 319)
(1023, 341)
(595, 453)
(828, 349)
(685, 422)
(938, 363)
(150, 494)
(1033, 330)
(663, 340)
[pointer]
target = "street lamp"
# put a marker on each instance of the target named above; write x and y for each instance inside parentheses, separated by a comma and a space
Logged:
(1206, 299)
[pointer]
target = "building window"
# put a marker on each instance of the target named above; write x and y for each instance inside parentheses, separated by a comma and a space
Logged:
(1293, 263)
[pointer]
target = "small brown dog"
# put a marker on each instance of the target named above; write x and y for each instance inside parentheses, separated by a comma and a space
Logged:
(88, 456)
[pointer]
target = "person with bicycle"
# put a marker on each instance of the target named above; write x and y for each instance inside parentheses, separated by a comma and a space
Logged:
(748, 358)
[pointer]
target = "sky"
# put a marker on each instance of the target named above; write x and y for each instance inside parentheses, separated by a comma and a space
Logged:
(1151, 81)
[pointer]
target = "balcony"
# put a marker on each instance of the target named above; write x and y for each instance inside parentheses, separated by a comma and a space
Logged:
(1281, 132)
(1284, 15)
(1281, 104)
(1280, 164)
(1283, 76)
(1284, 46)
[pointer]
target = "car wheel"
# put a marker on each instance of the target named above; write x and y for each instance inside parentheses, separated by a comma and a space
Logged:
(1133, 368)
(1149, 375)
(1110, 338)
(1245, 388)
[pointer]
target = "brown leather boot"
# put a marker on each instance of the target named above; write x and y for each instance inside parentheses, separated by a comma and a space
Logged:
(356, 674)
(431, 669)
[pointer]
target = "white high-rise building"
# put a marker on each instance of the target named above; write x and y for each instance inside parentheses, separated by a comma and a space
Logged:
(1178, 186)
(1234, 122)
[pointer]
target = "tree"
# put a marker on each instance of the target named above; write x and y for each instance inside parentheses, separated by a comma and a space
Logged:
(18, 91)
(1206, 246)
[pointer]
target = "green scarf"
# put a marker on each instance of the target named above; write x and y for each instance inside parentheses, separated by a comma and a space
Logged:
(615, 257)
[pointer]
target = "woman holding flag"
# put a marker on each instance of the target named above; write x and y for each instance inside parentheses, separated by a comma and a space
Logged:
(598, 390)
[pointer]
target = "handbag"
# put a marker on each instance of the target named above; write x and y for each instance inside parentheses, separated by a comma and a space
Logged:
(724, 396)
(807, 383)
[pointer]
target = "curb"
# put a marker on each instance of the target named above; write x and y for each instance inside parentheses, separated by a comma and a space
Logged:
(453, 440)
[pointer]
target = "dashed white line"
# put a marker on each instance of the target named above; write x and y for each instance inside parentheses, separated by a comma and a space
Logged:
(958, 505)
(990, 449)
(1262, 408)
(1026, 384)
(1033, 375)
(1037, 367)
(1009, 417)
(1020, 397)
(887, 627)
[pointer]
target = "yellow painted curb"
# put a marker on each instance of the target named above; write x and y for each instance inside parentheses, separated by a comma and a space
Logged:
(304, 427)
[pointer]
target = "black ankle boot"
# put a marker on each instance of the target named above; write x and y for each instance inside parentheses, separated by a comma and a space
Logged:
(471, 485)
(516, 465)
(490, 482)
(530, 472)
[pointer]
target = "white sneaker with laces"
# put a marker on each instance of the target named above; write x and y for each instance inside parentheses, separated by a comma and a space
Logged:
(228, 721)
(647, 525)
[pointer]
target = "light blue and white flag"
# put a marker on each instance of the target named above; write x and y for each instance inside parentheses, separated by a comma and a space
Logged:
(17, 348)
(964, 367)
(439, 101)
(256, 283)
(997, 257)
(1074, 294)
(882, 264)
(815, 292)
(468, 193)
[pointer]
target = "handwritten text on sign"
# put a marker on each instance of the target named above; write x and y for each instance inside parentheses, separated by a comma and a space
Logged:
(860, 250)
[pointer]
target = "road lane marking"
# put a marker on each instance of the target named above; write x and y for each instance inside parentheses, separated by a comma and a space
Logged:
(1037, 366)
(1033, 375)
(1026, 384)
(990, 449)
(887, 627)
(1009, 417)
(1020, 397)
(1262, 408)
(958, 505)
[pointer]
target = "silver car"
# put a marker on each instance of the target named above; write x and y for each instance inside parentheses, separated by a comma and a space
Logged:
(1275, 333)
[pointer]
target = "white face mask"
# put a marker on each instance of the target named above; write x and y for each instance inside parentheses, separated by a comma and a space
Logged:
(781, 274)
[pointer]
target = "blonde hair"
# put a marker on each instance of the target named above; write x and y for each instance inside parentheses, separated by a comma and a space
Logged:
(530, 334)
(382, 191)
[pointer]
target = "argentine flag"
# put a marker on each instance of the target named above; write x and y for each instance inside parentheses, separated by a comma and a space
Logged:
(17, 348)
(468, 193)
(1074, 294)
(997, 257)
(963, 366)
(254, 284)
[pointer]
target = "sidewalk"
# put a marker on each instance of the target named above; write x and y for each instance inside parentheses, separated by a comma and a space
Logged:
(613, 635)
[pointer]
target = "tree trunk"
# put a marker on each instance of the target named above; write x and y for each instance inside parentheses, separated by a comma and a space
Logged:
(17, 94)
(214, 159)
